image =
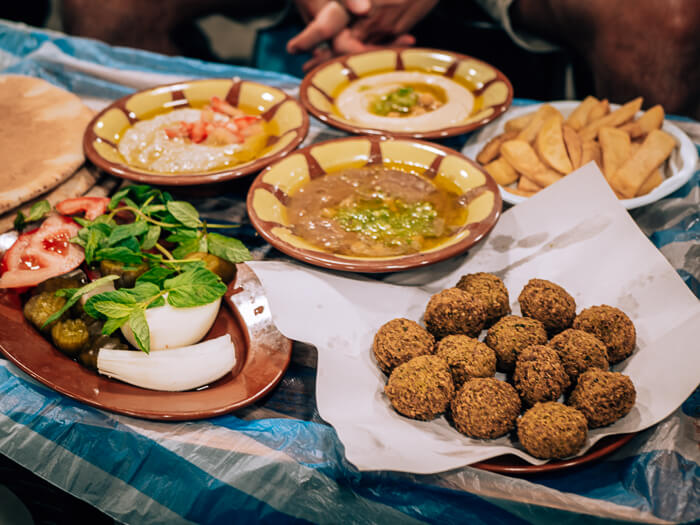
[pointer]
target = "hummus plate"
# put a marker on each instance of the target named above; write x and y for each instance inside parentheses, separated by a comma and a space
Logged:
(195, 132)
(418, 93)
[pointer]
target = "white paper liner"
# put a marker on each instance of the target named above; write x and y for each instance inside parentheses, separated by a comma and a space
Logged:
(574, 233)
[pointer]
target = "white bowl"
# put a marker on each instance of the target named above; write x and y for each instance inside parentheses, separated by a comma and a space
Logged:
(678, 168)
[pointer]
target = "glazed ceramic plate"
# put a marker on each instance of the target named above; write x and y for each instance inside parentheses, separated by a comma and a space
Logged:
(289, 125)
(262, 356)
(513, 465)
(679, 168)
(492, 90)
(271, 190)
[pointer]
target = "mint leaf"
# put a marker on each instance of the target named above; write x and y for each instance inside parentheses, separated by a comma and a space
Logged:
(73, 294)
(94, 239)
(143, 291)
(124, 231)
(139, 326)
(185, 248)
(113, 324)
(155, 275)
(182, 235)
(195, 287)
(20, 221)
(119, 253)
(117, 296)
(151, 237)
(116, 199)
(228, 248)
(37, 211)
(184, 213)
(113, 309)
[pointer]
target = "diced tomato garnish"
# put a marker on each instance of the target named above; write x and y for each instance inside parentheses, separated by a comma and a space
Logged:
(199, 132)
(222, 106)
(92, 206)
(244, 122)
(42, 254)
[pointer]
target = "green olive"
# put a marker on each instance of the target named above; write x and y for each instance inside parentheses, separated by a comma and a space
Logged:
(70, 336)
(40, 307)
(221, 267)
(128, 273)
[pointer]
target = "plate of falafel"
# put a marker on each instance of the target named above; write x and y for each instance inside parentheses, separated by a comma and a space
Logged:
(565, 327)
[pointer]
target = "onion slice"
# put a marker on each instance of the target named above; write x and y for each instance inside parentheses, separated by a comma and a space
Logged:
(171, 370)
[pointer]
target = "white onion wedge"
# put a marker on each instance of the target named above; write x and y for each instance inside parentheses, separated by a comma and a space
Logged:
(172, 370)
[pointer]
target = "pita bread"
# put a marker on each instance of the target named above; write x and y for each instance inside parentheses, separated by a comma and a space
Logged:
(41, 137)
(76, 185)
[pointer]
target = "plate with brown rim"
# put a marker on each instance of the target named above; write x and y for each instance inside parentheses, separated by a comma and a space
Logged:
(262, 357)
(285, 125)
(471, 92)
(268, 201)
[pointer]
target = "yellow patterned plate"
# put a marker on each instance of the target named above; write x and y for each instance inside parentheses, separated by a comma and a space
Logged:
(270, 194)
(340, 92)
(284, 120)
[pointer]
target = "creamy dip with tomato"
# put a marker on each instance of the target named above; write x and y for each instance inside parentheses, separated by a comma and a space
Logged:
(147, 145)
(358, 101)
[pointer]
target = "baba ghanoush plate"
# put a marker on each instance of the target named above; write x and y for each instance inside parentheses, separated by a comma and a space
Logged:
(373, 204)
(195, 132)
(418, 93)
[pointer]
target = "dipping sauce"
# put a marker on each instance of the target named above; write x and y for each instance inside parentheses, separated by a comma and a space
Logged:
(405, 101)
(374, 211)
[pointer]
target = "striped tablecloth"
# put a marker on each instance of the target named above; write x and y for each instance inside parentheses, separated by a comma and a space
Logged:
(277, 461)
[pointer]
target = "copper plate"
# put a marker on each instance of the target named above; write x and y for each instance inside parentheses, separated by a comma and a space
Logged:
(262, 356)
(509, 464)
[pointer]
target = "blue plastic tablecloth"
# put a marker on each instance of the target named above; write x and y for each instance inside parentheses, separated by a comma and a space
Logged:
(278, 461)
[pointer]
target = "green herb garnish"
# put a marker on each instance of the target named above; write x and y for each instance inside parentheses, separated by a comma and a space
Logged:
(399, 101)
(37, 211)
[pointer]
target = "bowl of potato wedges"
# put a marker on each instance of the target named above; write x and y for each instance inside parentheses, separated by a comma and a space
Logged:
(643, 156)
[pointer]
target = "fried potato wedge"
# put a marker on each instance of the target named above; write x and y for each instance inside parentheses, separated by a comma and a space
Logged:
(546, 177)
(491, 150)
(598, 111)
(579, 117)
(529, 132)
(652, 118)
(518, 123)
(652, 182)
(573, 145)
(522, 157)
(549, 145)
(522, 193)
(613, 119)
(527, 184)
(502, 172)
(616, 147)
(590, 150)
(655, 149)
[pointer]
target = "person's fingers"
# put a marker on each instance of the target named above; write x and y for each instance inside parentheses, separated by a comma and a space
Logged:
(329, 21)
(358, 7)
(345, 42)
(404, 40)
(320, 55)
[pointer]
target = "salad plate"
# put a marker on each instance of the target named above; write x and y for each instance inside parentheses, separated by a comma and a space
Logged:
(262, 357)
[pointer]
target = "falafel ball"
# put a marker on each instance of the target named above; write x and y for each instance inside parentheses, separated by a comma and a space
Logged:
(399, 341)
(552, 430)
(422, 388)
(539, 375)
(485, 408)
(454, 311)
(603, 397)
(467, 358)
(549, 303)
(510, 335)
(612, 326)
(490, 289)
(579, 351)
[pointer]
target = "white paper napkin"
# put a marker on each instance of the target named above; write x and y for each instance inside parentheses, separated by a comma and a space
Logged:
(574, 233)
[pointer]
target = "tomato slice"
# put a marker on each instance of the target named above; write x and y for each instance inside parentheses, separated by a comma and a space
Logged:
(42, 254)
(92, 206)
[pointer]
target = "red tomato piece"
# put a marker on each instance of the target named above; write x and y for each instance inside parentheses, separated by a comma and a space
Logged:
(92, 206)
(244, 122)
(199, 132)
(221, 106)
(42, 254)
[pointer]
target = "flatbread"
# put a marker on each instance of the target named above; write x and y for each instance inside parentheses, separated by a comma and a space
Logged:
(41, 137)
(76, 185)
